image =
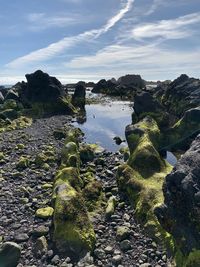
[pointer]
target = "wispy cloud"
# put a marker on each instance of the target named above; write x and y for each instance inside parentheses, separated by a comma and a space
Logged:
(67, 42)
(42, 21)
(168, 29)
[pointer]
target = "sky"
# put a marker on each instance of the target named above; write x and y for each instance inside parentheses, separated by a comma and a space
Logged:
(94, 39)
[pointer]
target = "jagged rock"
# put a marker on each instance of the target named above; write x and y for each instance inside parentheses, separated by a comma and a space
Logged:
(132, 80)
(43, 88)
(180, 95)
(145, 104)
(11, 94)
(103, 86)
(78, 98)
(9, 254)
(180, 213)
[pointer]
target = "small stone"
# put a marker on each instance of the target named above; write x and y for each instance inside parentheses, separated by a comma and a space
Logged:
(117, 259)
(55, 260)
(122, 233)
(41, 246)
(125, 245)
(109, 250)
(21, 237)
(44, 213)
(40, 231)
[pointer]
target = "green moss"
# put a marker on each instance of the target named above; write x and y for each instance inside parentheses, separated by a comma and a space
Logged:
(73, 231)
(23, 163)
(191, 260)
(69, 175)
(110, 209)
(44, 213)
(142, 178)
(44, 157)
(70, 156)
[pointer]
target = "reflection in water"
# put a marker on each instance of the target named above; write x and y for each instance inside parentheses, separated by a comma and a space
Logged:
(105, 121)
(171, 158)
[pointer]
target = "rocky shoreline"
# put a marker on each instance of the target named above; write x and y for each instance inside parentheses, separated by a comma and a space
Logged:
(67, 203)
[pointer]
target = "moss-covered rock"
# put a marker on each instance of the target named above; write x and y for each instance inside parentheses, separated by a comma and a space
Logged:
(23, 163)
(44, 213)
(141, 179)
(70, 156)
(110, 209)
(73, 231)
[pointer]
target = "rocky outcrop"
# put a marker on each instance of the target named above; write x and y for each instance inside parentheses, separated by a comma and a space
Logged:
(132, 81)
(180, 213)
(180, 95)
(78, 98)
(146, 104)
(141, 178)
(43, 88)
(124, 86)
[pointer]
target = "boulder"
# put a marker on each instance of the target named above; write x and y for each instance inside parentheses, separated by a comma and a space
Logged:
(132, 80)
(104, 87)
(43, 88)
(180, 95)
(146, 104)
(9, 254)
(78, 98)
(180, 213)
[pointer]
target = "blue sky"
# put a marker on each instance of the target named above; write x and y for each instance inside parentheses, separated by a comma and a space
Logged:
(93, 39)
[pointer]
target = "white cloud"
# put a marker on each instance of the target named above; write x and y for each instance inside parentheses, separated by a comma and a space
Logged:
(67, 42)
(42, 21)
(168, 29)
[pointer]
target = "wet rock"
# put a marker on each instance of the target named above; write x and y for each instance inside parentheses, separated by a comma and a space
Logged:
(78, 98)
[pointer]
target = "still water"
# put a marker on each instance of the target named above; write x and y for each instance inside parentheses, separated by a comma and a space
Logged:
(105, 120)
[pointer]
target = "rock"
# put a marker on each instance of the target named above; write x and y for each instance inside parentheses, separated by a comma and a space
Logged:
(11, 94)
(118, 140)
(40, 247)
(78, 98)
(122, 233)
(46, 90)
(40, 231)
(180, 95)
(125, 245)
(110, 209)
(104, 87)
(9, 254)
(21, 237)
(179, 214)
(145, 104)
(109, 250)
(117, 259)
(73, 231)
(131, 81)
(44, 213)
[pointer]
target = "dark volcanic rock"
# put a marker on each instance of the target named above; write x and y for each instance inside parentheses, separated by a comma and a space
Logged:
(144, 102)
(104, 87)
(180, 95)
(78, 98)
(11, 94)
(132, 80)
(180, 213)
(124, 86)
(43, 88)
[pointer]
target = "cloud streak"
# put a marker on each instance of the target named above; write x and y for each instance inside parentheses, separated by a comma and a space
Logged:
(67, 42)
(167, 29)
